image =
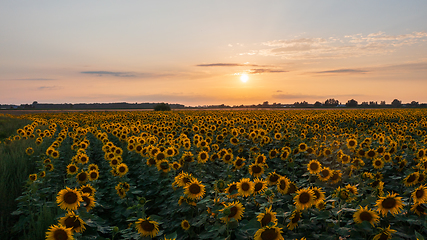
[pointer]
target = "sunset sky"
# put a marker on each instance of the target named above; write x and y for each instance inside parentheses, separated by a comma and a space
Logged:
(196, 52)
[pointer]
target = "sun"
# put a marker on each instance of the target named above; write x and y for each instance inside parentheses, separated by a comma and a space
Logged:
(244, 78)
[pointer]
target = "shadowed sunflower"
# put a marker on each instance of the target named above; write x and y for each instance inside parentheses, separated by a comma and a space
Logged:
(232, 210)
(304, 199)
(163, 165)
(245, 187)
(273, 153)
(378, 163)
(419, 209)
(335, 176)
(269, 233)
(239, 163)
(185, 225)
(256, 170)
(93, 175)
(202, 157)
(182, 179)
(147, 227)
(365, 214)
(73, 221)
(69, 199)
(259, 186)
(33, 177)
(228, 157)
(371, 153)
(267, 217)
(411, 179)
(272, 178)
(389, 203)
(122, 169)
(82, 177)
(324, 174)
(295, 217)
(59, 232)
(384, 234)
(29, 151)
(88, 201)
(419, 195)
(88, 189)
(232, 191)
(283, 185)
(194, 189)
(318, 193)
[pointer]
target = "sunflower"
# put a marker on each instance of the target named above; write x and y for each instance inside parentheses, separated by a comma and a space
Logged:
(384, 234)
(182, 179)
(88, 201)
(73, 221)
(351, 143)
(335, 176)
(304, 199)
(345, 159)
(302, 147)
(185, 225)
(42, 174)
(283, 185)
(269, 233)
(33, 177)
(389, 203)
(93, 175)
(259, 185)
(163, 165)
(327, 152)
(93, 167)
(29, 151)
(59, 232)
(232, 210)
(324, 174)
(55, 154)
(365, 214)
(49, 167)
(318, 193)
(419, 195)
(387, 157)
(321, 205)
(175, 165)
(295, 217)
(419, 209)
(378, 163)
(232, 190)
(202, 157)
(239, 163)
(194, 189)
(314, 167)
(228, 157)
(256, 170)
(82, 177)
(411, 179)
(88, 189)
(284, 155)
(147, 227)
(267, 217)
(69, 199)
(122, 169)
(245, 187)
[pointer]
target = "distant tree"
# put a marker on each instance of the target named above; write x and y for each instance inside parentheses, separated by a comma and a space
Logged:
(396, 103)
(317, 104)
(162, 107)
(414, 104)
(332, 102)
(364, 104)
(382, 103)
(265, 104)
(372, 103)
(351, 103)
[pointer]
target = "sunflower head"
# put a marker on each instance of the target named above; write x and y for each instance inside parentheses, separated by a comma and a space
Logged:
(69, 199)
(267, 217)
(304, 199)
(390, 203)
(194, 189)
(59, 232)
(73, 221)
(185, 225)
(269, 233)
(232, 210)
(365, 214)
(147, 227)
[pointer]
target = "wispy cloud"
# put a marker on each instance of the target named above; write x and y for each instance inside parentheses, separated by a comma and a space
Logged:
(345, 70)
(328, 48)
(263, 70)
(227, 65)
(34, 79)
(48, 88)
(115, 74)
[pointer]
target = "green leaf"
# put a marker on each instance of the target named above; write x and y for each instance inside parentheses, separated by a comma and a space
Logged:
(418, 235)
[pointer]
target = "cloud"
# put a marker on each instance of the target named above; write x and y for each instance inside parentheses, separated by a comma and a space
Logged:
(115, 74)
(227, 65)
(262, 70)
(333, 48)
(34, 79)
(346, 70)
(48, 88)
(311, 97)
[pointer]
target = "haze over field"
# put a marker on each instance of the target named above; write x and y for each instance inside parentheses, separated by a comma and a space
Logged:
(212, 52)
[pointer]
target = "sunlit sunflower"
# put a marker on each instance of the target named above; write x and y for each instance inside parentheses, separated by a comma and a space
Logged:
(351, 143)
(365, 214)
(147, 227)
(294, 219)
(384, 234)
(175, 165)
(314, 167)
(228, 157)
(59, 232)
(202, 157)
(194, 189)
(318, 193)
(378, 163)
(93, 175)
(82, 177)
(324, 174)
(269, 233)
(259, 186)
(389, 203)
(256, 170)
(411, 179)
(267, 217)
(419, 195)
(232, 210)
(245, 187)
(122, 169)
(283, 185)
(93, 167)
(304, 199)
(73, 221)
(69, 199)
(302, 147)
(88, 189)
(419, 209)
(185, 225)
(88, 201)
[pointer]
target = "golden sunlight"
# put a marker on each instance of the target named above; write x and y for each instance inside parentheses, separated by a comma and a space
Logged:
(244, 78)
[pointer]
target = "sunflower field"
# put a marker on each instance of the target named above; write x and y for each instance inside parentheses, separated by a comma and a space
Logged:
(264, 175)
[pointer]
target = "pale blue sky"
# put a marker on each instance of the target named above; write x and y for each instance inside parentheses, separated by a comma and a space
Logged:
(149, 51)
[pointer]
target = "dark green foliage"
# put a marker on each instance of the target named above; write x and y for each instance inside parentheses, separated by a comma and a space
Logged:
(162, 107)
